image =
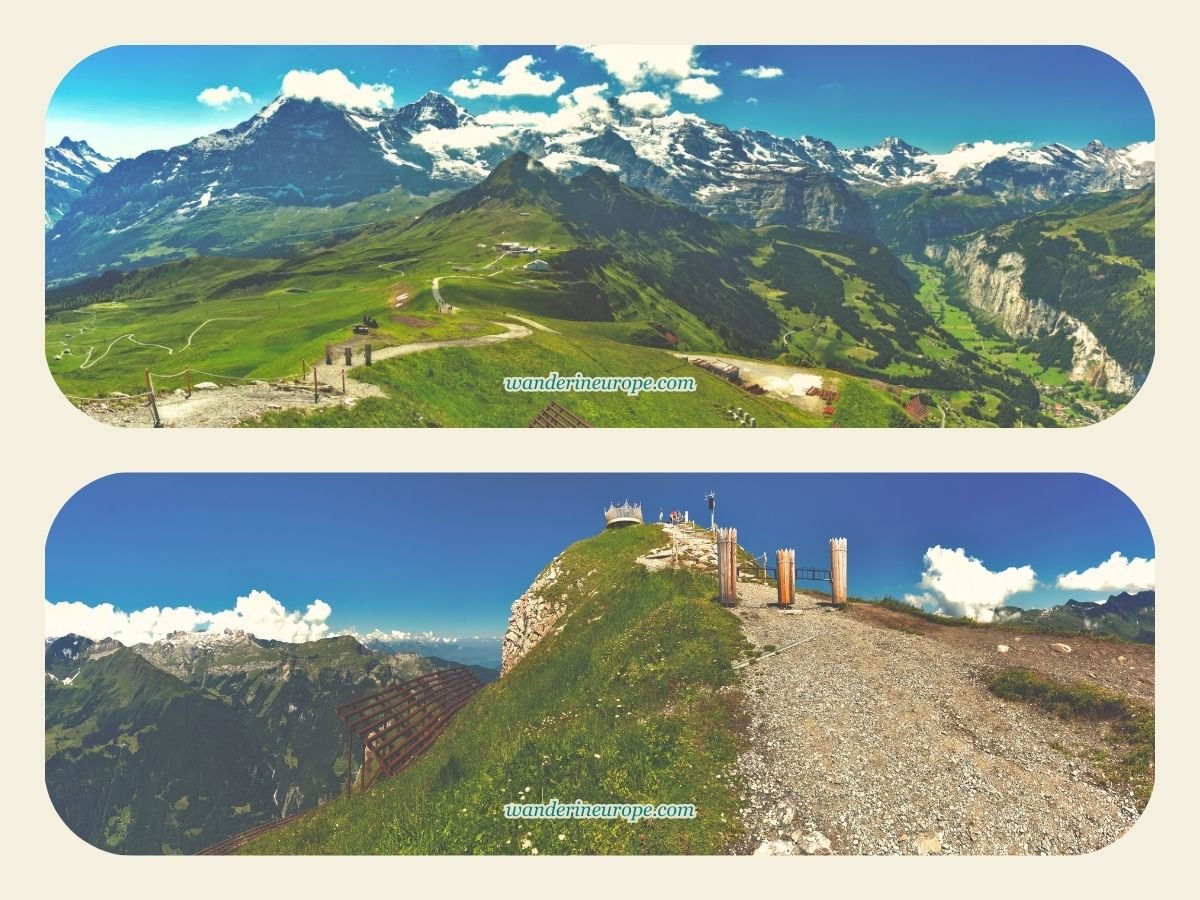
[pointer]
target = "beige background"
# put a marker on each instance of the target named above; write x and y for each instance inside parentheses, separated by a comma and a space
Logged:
(51, 450)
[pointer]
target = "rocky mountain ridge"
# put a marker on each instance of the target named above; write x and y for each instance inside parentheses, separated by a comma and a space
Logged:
(314, 154)
(138, 737)
(70, 166)
(997, 288)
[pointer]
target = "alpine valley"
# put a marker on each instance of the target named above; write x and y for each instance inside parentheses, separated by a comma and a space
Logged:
(171, 746)
(995, 284)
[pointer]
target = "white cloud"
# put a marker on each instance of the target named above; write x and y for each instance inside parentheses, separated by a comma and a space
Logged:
(960, 585)
(1117, 573)
(258, 613)
(465, 137)
(763, 72)
(698, 89)
(635, 64)
(646, 103)
(223, 97)
(752, 101)
(584, 102)
(516, 78)
(334, 87)
(400, 637)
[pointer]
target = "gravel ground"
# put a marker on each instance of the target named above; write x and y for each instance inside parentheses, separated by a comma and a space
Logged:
(870, 740)
(225, 406)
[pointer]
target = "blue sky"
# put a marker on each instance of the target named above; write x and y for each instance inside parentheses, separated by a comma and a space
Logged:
(386, 551)
(125, 100)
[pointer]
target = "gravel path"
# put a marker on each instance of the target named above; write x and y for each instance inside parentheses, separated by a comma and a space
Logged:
(869, 740)
(227, 406)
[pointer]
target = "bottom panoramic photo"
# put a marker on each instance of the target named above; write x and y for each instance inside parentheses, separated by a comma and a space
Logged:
(521, 664)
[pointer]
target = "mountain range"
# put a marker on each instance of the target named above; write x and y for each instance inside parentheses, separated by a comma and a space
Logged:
(170, 746)
(70, 167)
(1126, 616)
(313, 155)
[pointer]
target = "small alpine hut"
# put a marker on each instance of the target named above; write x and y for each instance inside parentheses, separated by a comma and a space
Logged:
(618, 516)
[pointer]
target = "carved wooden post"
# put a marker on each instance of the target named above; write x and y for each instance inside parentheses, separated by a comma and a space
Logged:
(348, 351)
(837, 569)
(785, 568)
(727, 565)
(328, 355)
(368, 353)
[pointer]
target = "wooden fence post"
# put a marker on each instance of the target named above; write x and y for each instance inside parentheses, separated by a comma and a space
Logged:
(368, 349)
(785, 568)
(727, 565)
(837, 570)
(316, 396)
(348, 351)
(328, 355)
(188, 370)
(153, 404)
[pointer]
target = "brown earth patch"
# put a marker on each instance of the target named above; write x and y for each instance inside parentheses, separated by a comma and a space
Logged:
(1122, 666)
(411, 321)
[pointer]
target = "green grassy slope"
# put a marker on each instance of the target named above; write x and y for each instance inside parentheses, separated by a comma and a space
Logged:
(624, 266)
(455, 387)
(623, 704)
(910, 216)
(287, 694)
(169, 748)
(138, 762)
(254, 228)
(1093, 258)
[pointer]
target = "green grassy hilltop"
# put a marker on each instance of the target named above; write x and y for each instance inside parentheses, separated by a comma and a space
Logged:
(624, 704)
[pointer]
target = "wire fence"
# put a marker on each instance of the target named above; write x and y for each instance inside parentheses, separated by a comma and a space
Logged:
(279, 389)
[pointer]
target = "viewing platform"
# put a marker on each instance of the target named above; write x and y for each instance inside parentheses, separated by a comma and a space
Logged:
(625, 514)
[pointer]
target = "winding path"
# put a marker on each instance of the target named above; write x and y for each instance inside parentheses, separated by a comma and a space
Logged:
(227, 406)
(88, 362)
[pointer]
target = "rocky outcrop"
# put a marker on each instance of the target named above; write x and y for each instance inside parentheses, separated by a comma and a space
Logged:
(997, 288)
(690, 547)
(534, 615)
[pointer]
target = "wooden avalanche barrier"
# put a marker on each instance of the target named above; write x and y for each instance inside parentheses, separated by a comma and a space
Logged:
(397, 724)
(785, 568)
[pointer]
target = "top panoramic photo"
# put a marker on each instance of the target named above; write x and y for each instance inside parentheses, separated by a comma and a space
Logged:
(599, 236)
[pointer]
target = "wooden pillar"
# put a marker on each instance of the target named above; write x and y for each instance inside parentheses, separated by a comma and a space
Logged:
(837, 569)
(368, 349)
(328, 355)
(348, 351)
(727, 565)
(153, 403)
(316, 395)
(785, 568)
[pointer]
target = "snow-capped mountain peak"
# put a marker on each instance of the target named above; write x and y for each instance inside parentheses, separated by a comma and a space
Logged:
(297, 151)
(432, 110)
(70, 166)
